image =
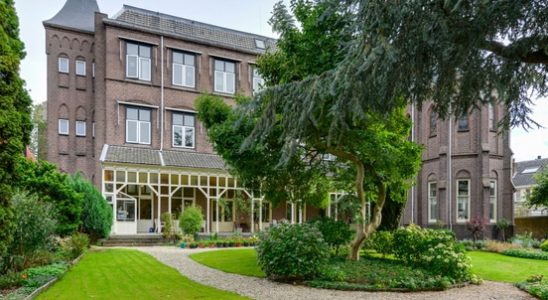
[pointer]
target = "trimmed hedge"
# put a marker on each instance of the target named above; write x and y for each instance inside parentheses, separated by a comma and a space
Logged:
(526, 253)
(544, 246)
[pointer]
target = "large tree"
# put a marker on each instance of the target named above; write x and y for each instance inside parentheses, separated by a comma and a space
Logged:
(39, 140)
(374, 149)
(539, 195)
(15, 123)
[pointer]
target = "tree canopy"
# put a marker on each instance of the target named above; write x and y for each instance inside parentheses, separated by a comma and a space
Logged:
(15, 123)
(539, 195)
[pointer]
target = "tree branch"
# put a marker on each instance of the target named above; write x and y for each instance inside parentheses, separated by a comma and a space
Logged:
(522, 49)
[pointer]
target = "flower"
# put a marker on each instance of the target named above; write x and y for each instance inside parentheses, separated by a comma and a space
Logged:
(24, 276)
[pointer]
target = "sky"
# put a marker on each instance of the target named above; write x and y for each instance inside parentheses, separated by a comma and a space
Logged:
(245, 15)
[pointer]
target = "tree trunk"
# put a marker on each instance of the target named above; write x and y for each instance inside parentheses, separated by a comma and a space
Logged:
(354, 253)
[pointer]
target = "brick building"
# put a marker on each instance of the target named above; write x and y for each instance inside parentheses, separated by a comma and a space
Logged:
(121, 94)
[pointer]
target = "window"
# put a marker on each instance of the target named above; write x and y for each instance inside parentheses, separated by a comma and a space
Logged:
(93, 69)
(125, 211)
(183, 130)
(433, 202)
(63, 64)
(463, 123)
(80, 128)
(258, 80)
(184, 72)
(433, 122)
(225, 211)
(530, 170)
(80, 67)
(493, 201)
(138, 125)
(93, 129)
(225, 76)
(265, 211)
(138, 61)
(260, 44)
(63, 126)
(492, 120)
(463, 200)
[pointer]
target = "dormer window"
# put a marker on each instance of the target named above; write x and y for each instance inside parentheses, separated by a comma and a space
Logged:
(260, 44)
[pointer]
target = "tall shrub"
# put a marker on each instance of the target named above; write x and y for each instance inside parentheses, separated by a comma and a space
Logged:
(44, 180)
(34, 228)
(96, 212)
(292, 252)
(336, 233)
(15, 125)
(167, 229)
(191, 220)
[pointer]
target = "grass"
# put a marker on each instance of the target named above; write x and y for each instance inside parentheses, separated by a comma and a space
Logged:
(238, 261)
(128, 274)
(498, 267)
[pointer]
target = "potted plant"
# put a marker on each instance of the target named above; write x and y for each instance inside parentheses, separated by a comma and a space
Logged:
(230, 243)
(237, 242)
(212, 244)
(202, 244)
(193, 245)
(185, 240)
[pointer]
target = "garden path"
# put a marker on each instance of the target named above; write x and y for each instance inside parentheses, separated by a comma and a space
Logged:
(259, 288)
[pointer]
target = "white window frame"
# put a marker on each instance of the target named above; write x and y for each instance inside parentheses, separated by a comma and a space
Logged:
(67, 125)
(60, 65)
(491, 116)
(138, 126)
(76, 128)
(467, 201)
(493, 200)
(139, 63)
(93, 69)
(183, 129)
(93, 129)
(224, 77)
(82, 63)
(257, 81)
(430, 198)
(184, 68)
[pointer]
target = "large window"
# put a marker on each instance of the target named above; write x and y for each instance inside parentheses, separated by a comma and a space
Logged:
(225, 76)
(80, 128)
(63, 64)
(80, 67)
(63, 126)
(138, 61)
(492, 120)
(258, 80)
(493, 201)
(183, 130)
(225, 212)
(463, 123)
(463, 200)
(137, 125)
(433, 202)
(125, 210)
(184, 71)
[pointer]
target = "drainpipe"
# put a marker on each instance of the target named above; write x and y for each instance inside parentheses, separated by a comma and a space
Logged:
(449, 177)
(162, 93)
(413, 140)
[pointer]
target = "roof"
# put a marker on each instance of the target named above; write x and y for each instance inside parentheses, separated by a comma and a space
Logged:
(76, 14)
(138, 18)
(145, 156)
(528, 178)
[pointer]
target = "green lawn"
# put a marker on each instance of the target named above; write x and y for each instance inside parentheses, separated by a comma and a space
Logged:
(498, 267)
(239, 261)
(128, 274)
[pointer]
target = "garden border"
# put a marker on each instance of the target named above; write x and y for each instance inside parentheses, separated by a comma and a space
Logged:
(339, 286)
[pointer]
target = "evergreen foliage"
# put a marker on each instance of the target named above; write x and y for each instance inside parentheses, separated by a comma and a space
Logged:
(15, 123)
(96, 213)
(190, 221)
(539, 195)
(44, 180)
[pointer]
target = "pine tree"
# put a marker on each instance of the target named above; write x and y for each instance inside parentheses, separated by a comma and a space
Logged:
(15, 125)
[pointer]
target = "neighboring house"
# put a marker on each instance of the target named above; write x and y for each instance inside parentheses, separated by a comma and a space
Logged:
(524, 181)
(120, 109)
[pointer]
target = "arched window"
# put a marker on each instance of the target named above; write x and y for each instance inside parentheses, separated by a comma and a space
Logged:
(492, 119)
(463, 123)
(433, 121)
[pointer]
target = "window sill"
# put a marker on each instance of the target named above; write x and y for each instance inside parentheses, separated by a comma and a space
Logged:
(80, 136)
(138, 145)
(432, 135)
(138, 81)
(184, 88)
(463, 130)
(80, 75)
(63, 134)
(183, 149)
(231, 95)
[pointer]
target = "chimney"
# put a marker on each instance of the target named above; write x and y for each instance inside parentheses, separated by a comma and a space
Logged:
(539, 157)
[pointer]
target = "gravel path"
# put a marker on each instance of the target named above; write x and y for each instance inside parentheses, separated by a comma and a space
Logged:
(258, 288)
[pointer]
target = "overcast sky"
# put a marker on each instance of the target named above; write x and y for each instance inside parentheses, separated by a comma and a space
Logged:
(246, 15)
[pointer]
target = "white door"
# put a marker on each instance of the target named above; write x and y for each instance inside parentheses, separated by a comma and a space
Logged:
(126, 211)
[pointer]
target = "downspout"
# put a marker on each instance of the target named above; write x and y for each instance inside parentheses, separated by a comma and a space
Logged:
(449, 177)
(413, 140)
(162, 93)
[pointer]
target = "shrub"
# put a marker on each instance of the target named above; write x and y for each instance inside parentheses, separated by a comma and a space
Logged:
(11, 280)
(525, 240)
(382, 242)
(75, 245)
(470, 245)
(96, 212)
(538, 289)
(526, 253)
(34, 227)
(494, 246)
(544, 246)
(336, 233)
(167, 227)
(191, 220)
(433, 250)
(476, 227)
(292, 252)
(502, 225)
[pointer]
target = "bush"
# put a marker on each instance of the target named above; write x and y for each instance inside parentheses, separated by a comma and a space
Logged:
(75, 245)
(96, 212)
(524, 240)
(544, 246)
(470, 245)
(191, 220)
(526, 253)
(382, 242)
(535, 288)
(335, 233)
(499, 247)
(292, 252)
(34, 227)
(476, 227)
(433, 250)
(167, 227)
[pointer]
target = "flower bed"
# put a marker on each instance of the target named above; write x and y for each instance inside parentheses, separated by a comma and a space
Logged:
(526, 253)
(536, 286)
